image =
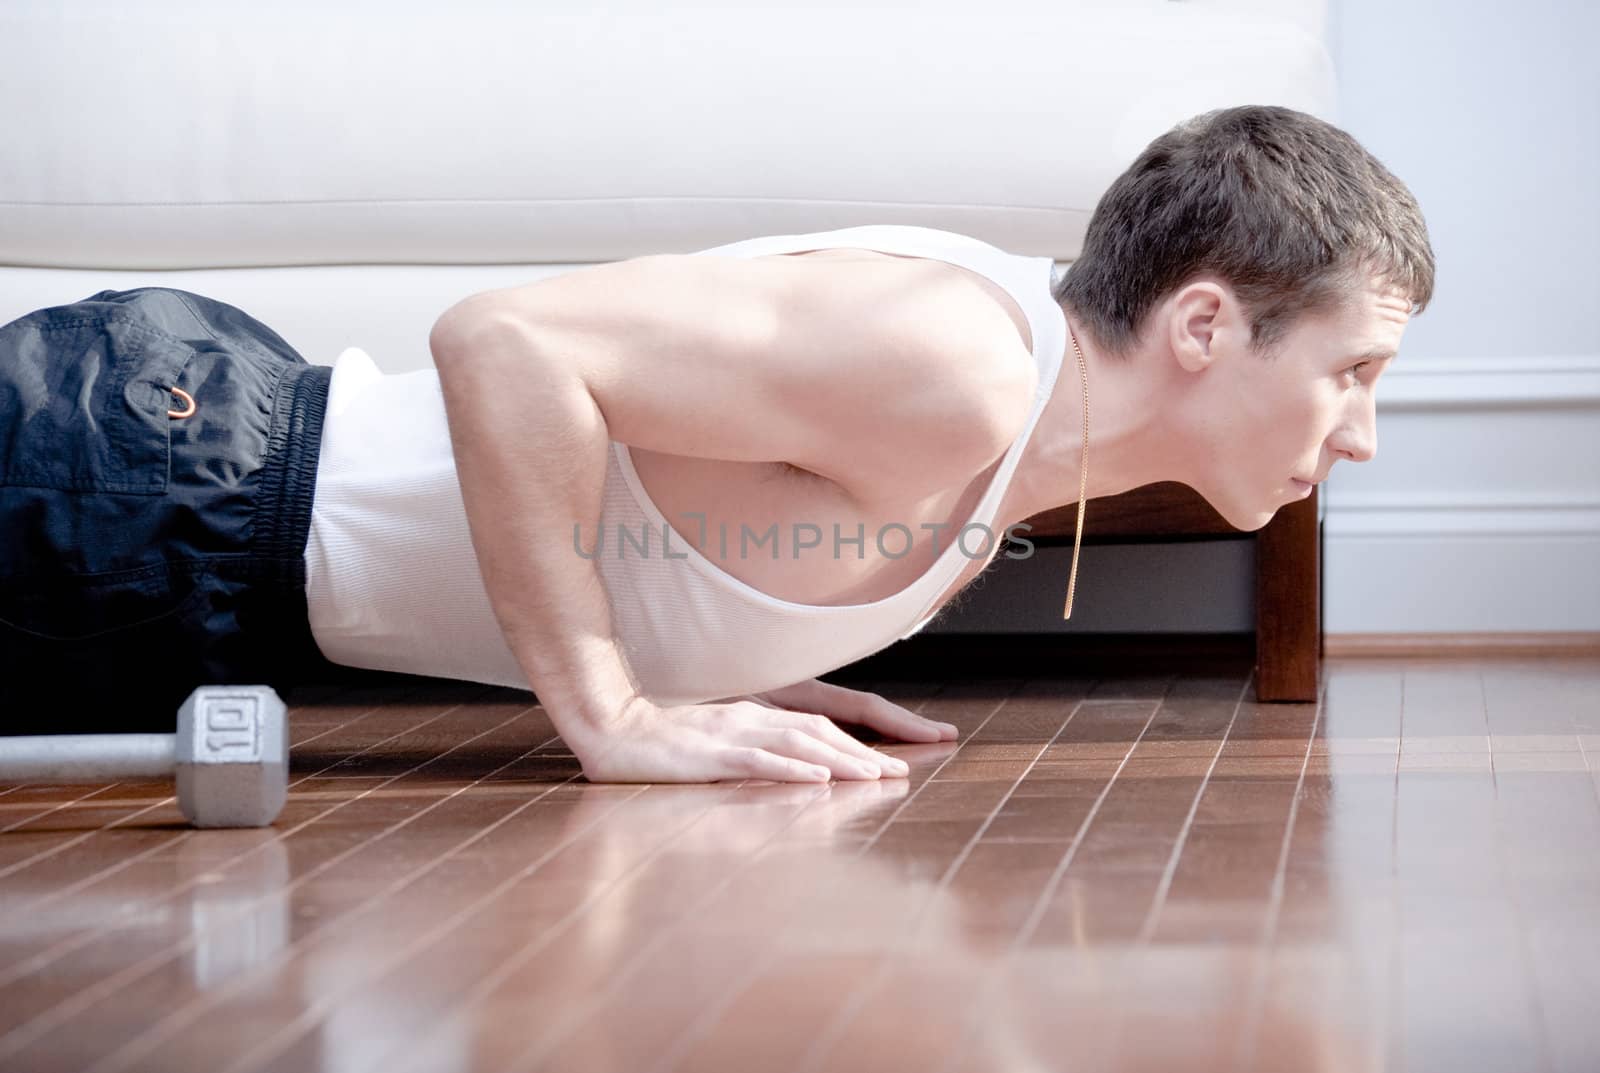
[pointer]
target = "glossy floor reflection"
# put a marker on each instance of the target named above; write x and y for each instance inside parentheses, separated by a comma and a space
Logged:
(1119, 873)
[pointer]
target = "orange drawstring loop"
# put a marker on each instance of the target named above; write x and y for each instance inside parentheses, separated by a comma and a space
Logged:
(187, 398)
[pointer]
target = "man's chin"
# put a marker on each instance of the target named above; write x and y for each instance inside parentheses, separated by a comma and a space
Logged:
(1248, 521)
(1242, 519)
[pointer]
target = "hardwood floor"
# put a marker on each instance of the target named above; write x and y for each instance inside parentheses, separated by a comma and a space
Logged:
(1131, 869)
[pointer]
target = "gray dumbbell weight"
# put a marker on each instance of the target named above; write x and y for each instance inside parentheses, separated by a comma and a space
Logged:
(230, 756)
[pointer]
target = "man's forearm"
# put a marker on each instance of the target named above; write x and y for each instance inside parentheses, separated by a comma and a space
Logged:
(530, 449)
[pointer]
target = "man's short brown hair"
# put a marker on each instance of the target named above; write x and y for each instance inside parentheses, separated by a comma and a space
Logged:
(1287, 208)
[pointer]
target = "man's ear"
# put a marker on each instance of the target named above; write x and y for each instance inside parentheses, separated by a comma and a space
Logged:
(1195, 314)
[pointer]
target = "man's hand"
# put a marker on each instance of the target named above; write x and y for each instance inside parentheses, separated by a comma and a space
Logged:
(784, 735)
(853, 706)
(738, 739)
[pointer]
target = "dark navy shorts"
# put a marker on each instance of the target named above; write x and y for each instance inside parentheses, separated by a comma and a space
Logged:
(146, 550)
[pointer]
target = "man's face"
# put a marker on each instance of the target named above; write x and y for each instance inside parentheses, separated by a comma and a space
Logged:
(1296, 414)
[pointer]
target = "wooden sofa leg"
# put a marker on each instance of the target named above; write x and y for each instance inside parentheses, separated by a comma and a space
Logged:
(1289, 604)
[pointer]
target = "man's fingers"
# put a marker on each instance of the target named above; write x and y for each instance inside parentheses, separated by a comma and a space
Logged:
(865, 709)
(825, 729)
(792, 741)
(881, 714)
(806, 732)
(753, 763)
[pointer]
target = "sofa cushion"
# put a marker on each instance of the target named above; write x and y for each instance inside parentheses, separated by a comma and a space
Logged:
(199, 134)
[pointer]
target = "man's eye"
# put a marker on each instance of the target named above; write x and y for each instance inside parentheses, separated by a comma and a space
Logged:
(1355, 368)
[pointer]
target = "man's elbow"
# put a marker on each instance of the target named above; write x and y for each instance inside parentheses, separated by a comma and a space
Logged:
(462, 325)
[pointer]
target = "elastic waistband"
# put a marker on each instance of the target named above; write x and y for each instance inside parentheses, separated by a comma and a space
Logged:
(282, 519)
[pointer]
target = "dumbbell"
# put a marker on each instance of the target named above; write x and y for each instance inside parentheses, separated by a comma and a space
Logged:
(230, 756)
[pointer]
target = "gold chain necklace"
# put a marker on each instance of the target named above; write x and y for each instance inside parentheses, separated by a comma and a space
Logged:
(1083, 484)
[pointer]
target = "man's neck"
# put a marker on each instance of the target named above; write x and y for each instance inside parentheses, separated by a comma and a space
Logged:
(1134, 438)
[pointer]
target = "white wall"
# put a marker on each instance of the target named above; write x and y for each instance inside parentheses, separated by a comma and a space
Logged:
(1481, 512)
(1490, 113)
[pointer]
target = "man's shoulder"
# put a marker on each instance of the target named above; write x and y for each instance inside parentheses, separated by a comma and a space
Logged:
(941, 324)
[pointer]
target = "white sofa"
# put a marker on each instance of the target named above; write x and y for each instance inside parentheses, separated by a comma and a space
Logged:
(344, 170)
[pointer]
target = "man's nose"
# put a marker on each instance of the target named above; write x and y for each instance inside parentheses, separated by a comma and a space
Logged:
(1359, 441)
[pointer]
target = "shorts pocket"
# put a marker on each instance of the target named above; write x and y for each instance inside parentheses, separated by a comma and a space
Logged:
(84, 401)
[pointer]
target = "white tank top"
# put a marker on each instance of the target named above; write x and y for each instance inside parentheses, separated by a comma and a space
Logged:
(393, 583)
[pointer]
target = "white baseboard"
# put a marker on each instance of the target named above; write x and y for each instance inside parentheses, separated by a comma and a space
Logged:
(1481, 513)
(1522, 646)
